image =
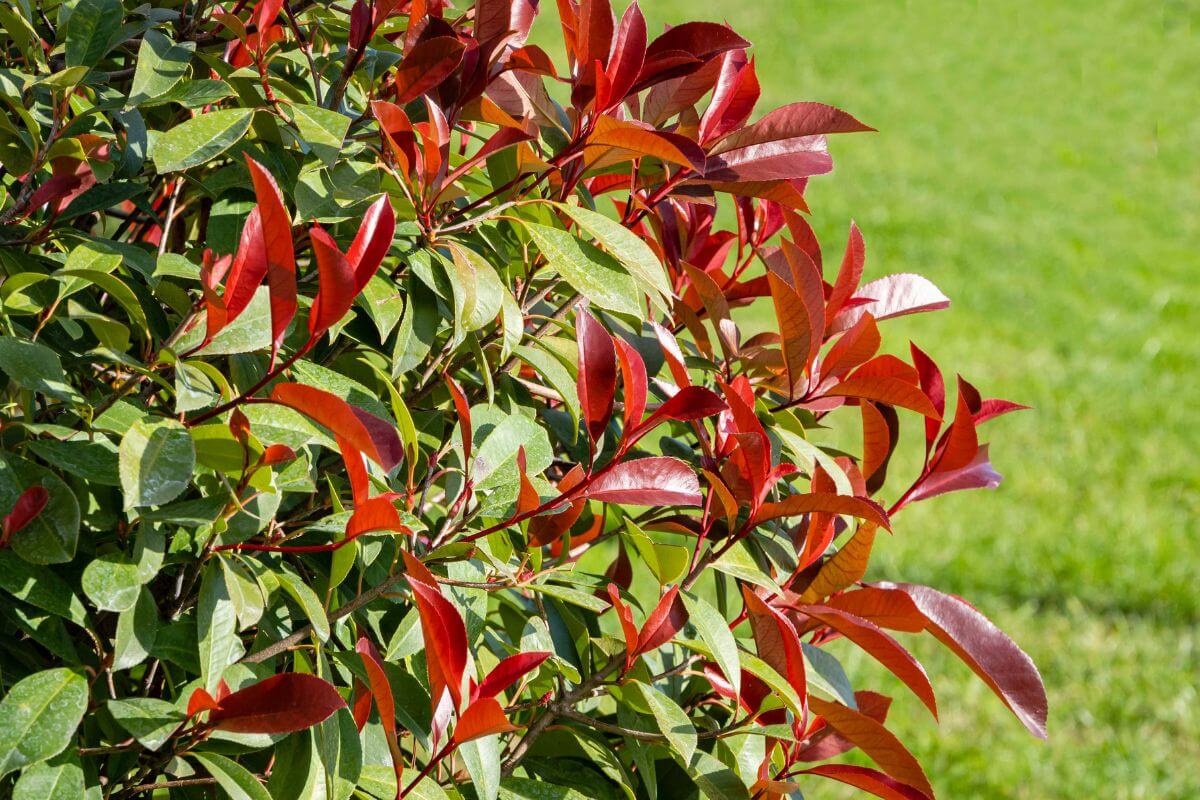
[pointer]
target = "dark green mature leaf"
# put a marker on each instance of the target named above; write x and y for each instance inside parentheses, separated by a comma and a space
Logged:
(40, 587)
(37, 368)
(94, 460)
(147, 719)
(237, 781)
(216, 627)
(60, 778)
(111, 583)
(161, 64)
(200, 139)
(589, 270)
(52, 536)
(91, 30)
(38, 717)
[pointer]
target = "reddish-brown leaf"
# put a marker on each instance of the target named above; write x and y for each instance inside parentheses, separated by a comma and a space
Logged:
(887, 390)
(777, 641)
(336, 291)
(892, 296)
(843, 568)
(867, 779)
(597, 379)
(876, 741)
(633, 382)
(508, 672)
(628, 628)
(29, 504)
(795, 330)
(445, 641)
(629, 52)
(849, 274)
(689, 403)
(666, 620)
(372, 242)
(825, 503)
(283, 703)
(549, 528)
(792, 121)
(854, 347)
(700, 40)
(879, 645)
(280, 253)
(425, 66)
(987, 650)
(653, 481)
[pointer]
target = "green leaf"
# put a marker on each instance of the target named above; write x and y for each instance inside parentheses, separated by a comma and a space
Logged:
(478, 291)
(200, 139)
(671, 720)
(322, 129)
(137, 630)
(147, 719)
(93, 460)
(52, 536)
(60, 778)
(36, 368)
(237, 781)
(161, 64)
(588, 269)
(482, 759)
(41, 587)
(828, 676)
(780, 688)
(526, 789)
(38, 717)
(111, 583)
(307, 599)
(668, 562)
(91, 30)
(216, 627)
(156, 462)
(626, 246)
(714, 630)
(739, 563)
(714, 780)
(193, 94)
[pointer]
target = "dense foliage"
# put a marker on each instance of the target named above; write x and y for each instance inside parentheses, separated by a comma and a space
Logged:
(376, 421)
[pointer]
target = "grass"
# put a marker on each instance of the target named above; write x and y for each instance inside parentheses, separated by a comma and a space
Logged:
(1038, 161)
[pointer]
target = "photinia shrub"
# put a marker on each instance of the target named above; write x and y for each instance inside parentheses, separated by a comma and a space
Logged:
(378, 420)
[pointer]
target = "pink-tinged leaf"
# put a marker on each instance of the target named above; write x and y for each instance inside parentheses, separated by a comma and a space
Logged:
(29, 505)
(979, 474)
(990, 409)
(986, 649)
(500, 140)
(425, 66)
(887, 390)
(701, 40)
(365, 432)
(733, 98)
(825, 503)
(372, 242)
(880, 744)
(672, 354)
(485, 717)
(629, 52)
(595, 32)
(666, 620)
(633, 382)
(283, 703)
(892, 296)
(787, 159)
(445, 641)
(887, 608)
(597, 381)
(793, 121)
(777, 642)
(508, 672)
(628, 629)
(654, 481)
(867, 779)
(335, 290)
(880, 646)
(960, 444)
(930, 380)
(54, 189)
(280, 252)
(879, 439)
(849, 274)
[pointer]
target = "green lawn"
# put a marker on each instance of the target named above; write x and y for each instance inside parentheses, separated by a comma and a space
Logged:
(1041, 163)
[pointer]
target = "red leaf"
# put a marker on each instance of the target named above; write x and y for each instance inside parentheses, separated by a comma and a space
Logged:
(200, 701)
(849, 274)
(375, 514)
(484, 717)
(641, 142)
(336, 291)
(733, 98)
(634, 382)
(29, 504)
(852, 348)
(597, 381)
(508, 672)
(867, 779)
(248, 270)
(777, 642)
(886, 390)
(425, 66)
(629, 52)
(277, 454)
(994, 657)
(362, 430)
(549, 528)
(960, 444)
(880, 646)
(463, 410)
(795, 330)
(666, 620)
(283, 703)
(689, 403)
(280, 255)
(825, 503)
(879, 440)
(628, 628)
(787, 159)
(55, 188)
(594, 34)
(876, 741)
(979, 474)
(381, 692)
(892, 296)
(445, 641)
(701, 40)
(887, 608)
(654, 481)
(372, 242)
(793, 121)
